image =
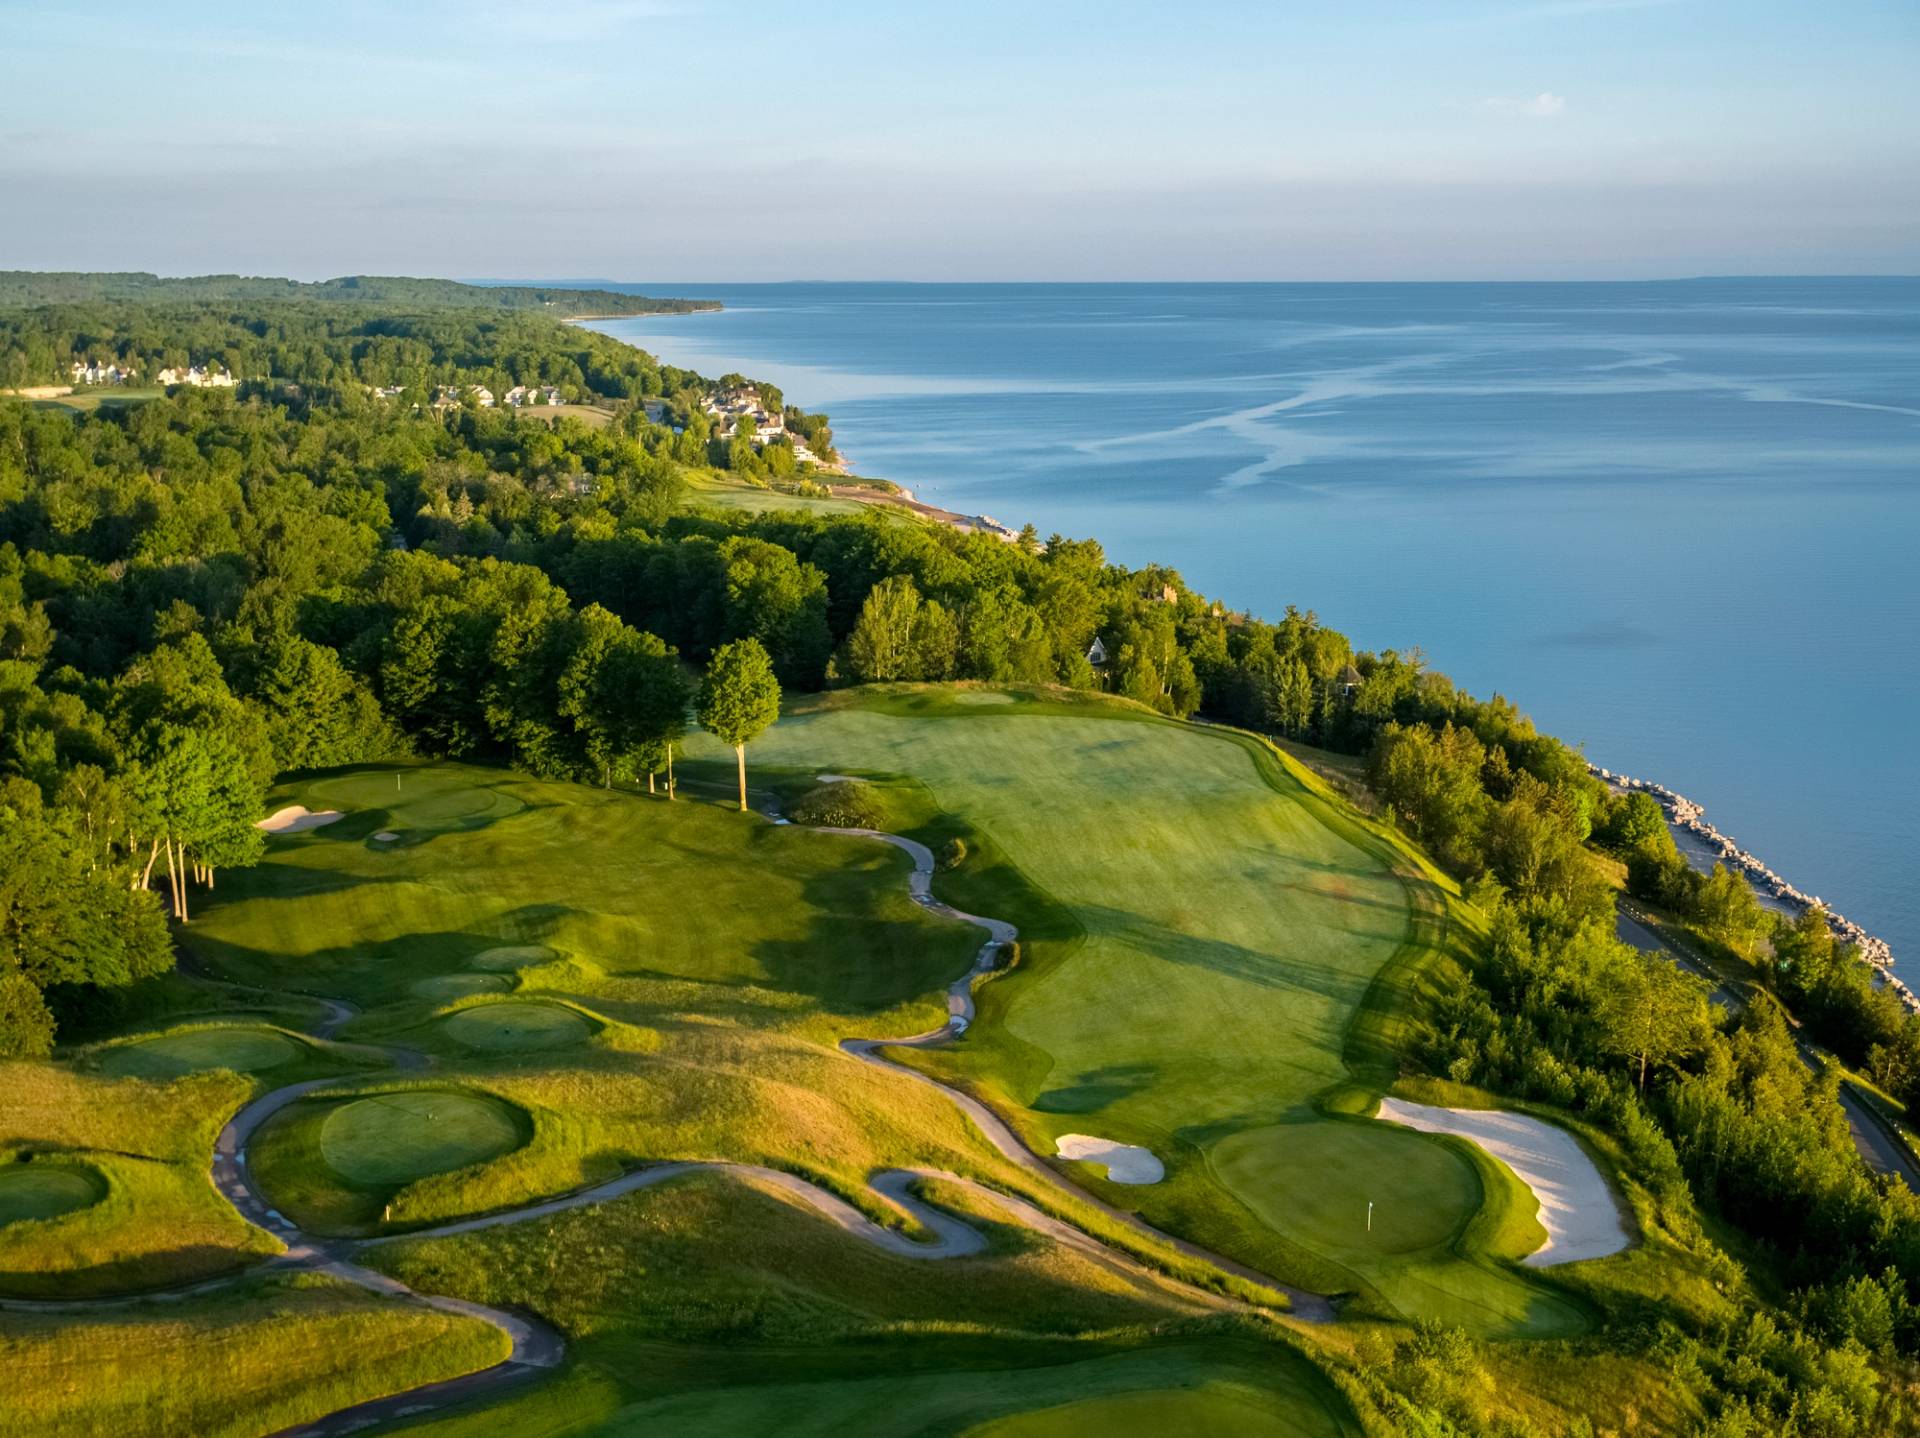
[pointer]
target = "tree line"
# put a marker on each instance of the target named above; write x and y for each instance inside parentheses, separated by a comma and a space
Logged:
(390, 292)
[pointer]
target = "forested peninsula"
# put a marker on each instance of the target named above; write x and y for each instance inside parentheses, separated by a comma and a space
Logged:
(356, 548)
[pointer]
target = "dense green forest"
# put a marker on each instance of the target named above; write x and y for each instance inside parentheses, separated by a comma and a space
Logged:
(199, 592)
(389, 292)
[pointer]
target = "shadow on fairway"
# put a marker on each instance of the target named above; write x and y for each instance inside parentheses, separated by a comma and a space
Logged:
(1235, 961)
(1097, 1088)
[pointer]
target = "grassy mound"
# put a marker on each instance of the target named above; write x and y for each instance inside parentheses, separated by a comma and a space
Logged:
(513, 1026)
(158, 1222)
(441, 988)
(262, 1357)
(513, 956)
(170, 1055)
(392, 1139)
(842, 804)
(573, 870)
(47, 1188)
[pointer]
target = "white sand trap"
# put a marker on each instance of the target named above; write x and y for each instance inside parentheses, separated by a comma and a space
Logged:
(1577, 1206)
(1125, 1162)
(295, 817)
(838, 779)
(386, 836)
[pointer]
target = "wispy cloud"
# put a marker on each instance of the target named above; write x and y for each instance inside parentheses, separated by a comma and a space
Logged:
(1544, 106)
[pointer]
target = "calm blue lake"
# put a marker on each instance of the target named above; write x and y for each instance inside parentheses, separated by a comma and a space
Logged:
(1676, 522)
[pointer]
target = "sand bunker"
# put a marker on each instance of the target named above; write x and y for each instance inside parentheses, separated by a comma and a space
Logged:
(386, 836)
(1577, 1207)
(295, 817)
(1125, 1162)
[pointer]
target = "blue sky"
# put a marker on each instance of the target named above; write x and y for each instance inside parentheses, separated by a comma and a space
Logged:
(1051, 139)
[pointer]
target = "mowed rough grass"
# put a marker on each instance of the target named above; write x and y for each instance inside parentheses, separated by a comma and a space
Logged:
(254, 1360)
(709, 1306)
(1226, 923)
(158, 1221)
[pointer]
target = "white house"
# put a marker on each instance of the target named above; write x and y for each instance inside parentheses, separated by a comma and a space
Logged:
(93, 372)
(208, 378)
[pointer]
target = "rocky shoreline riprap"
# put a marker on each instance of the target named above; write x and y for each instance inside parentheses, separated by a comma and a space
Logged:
(1683, 813)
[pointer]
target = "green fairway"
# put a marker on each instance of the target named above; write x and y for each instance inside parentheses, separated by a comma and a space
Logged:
(1041, 1402)
(1208, 1410)
(1201, 929)
(509, 1026)
(46, 1189)
(170, 1055)
(394, 1138)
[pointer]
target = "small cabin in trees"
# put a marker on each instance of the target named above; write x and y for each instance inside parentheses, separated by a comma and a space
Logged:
(1097, 653)
(1350, 681)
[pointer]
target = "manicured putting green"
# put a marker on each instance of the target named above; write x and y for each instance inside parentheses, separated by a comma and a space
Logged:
(416, 798)
(513, 956)
(459, 986)
(395, 1138)
(503, 1027)
(1315, 1179)
(242, 1050)
(46, 1190)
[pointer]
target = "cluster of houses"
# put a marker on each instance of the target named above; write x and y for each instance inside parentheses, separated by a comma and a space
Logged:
(1683, 813)
(450, 396)
(93, 372)
(209, 376)
(727, 407)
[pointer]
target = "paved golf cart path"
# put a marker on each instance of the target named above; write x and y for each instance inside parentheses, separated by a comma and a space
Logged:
(536, 1346)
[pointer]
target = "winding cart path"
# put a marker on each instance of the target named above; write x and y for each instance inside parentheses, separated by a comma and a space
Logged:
(536, 1346)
